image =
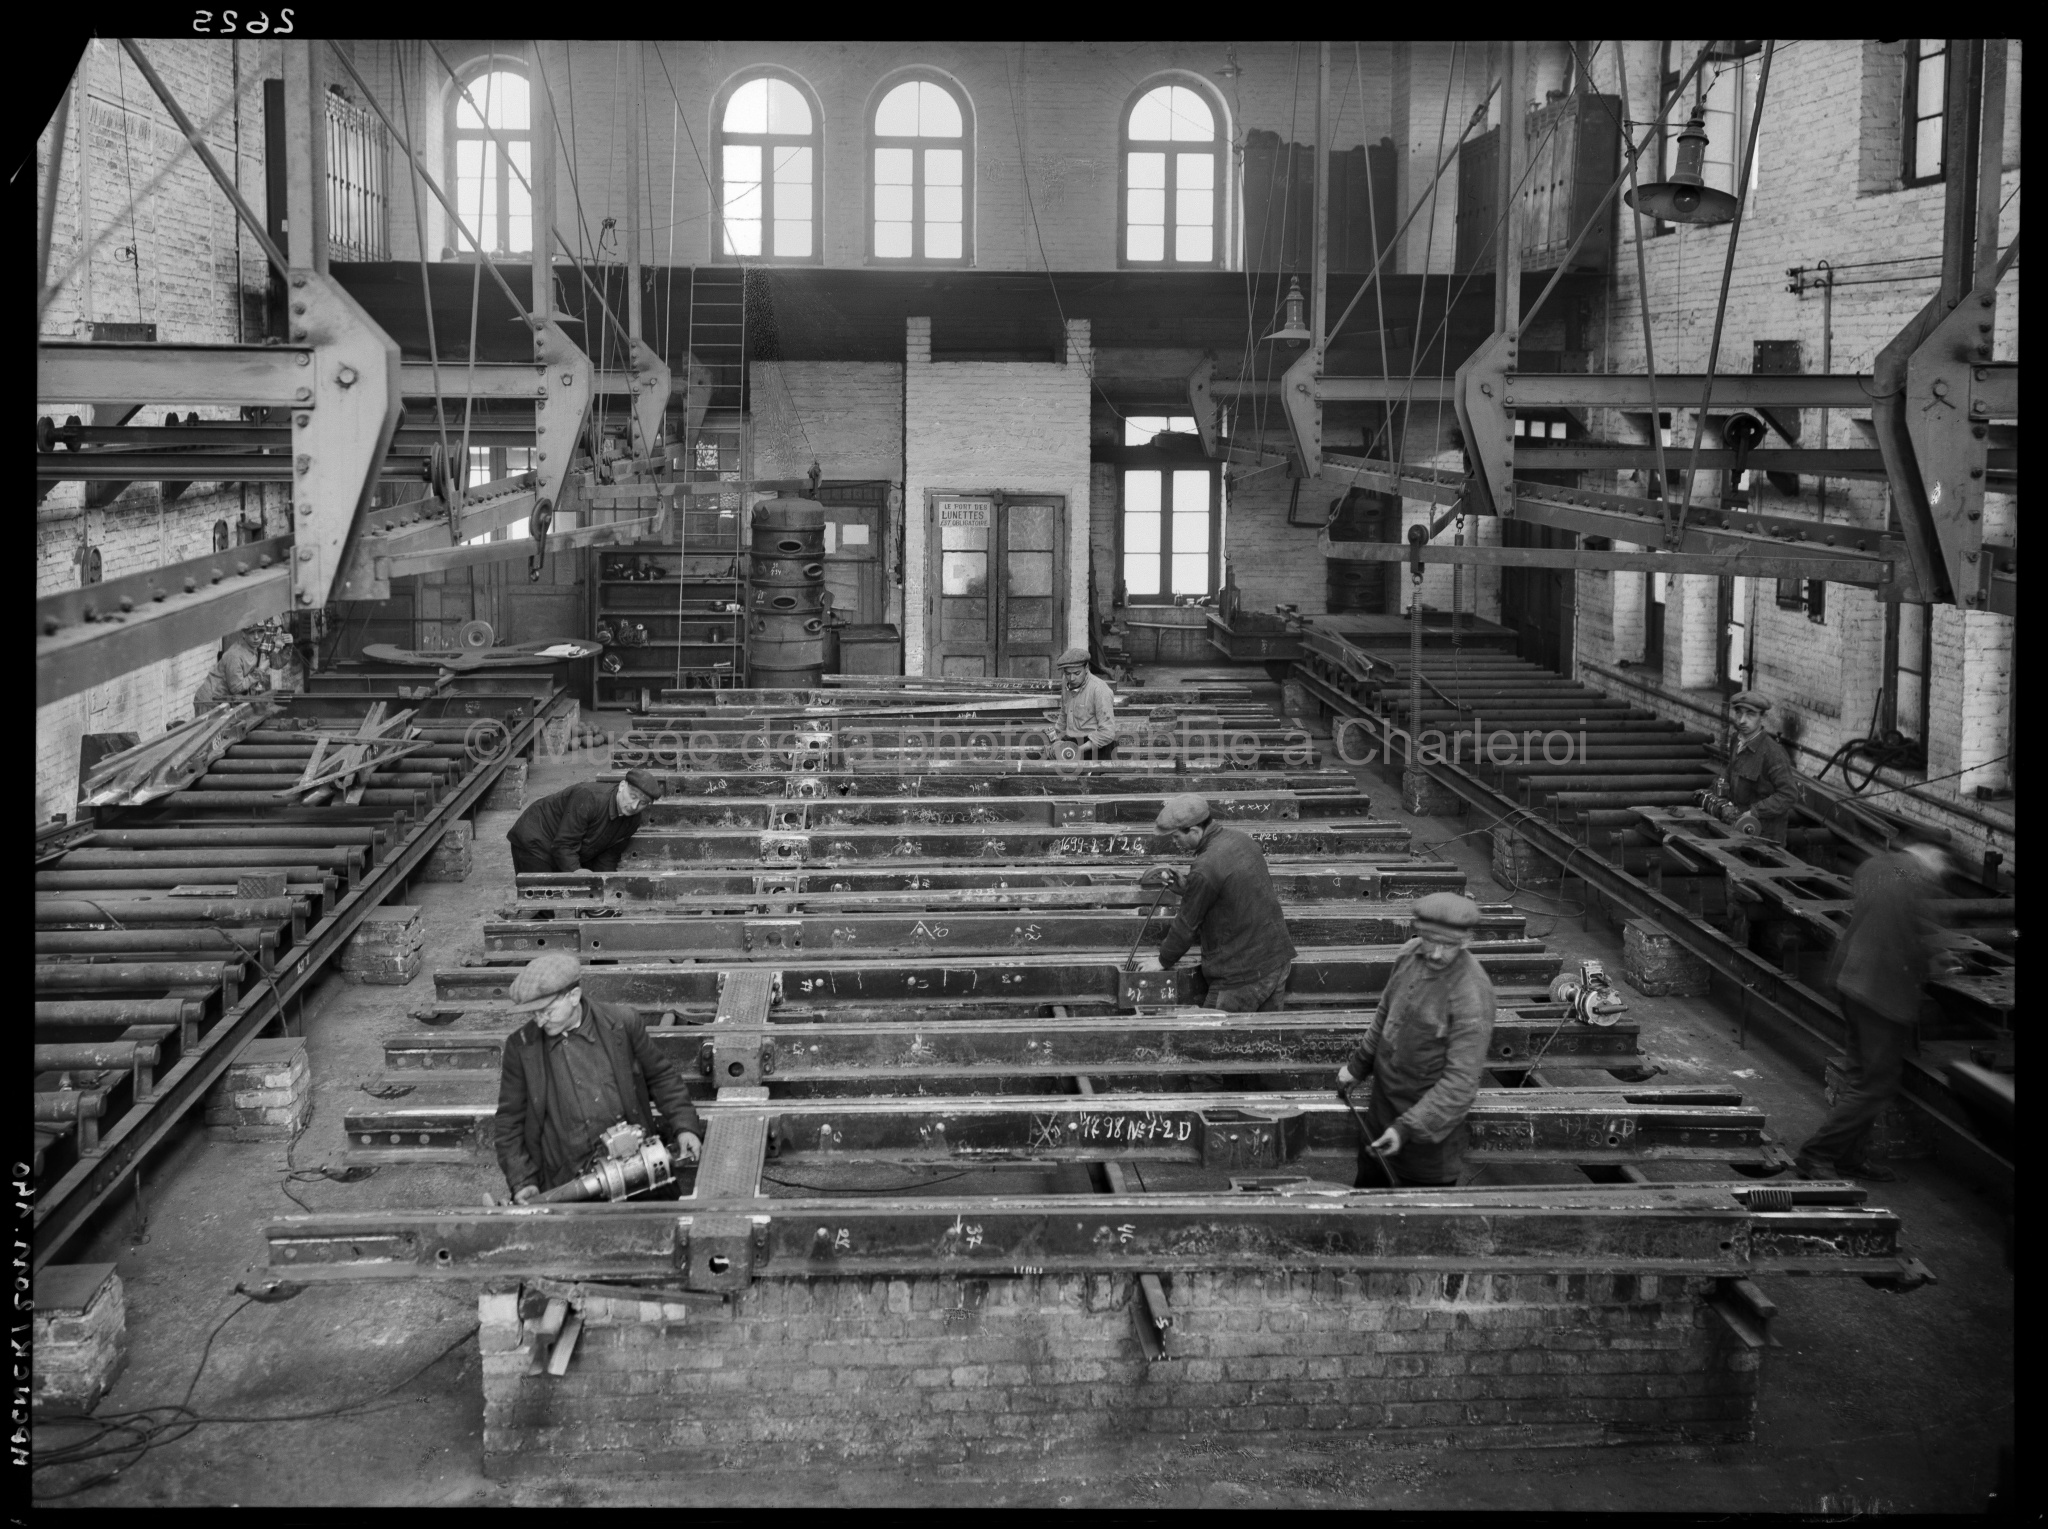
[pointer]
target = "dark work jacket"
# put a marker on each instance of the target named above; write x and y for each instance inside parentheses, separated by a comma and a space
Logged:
(643, 1073)
(1230, 908)
(1882, 958)
(579, 828)
(1760, 779)
(1426, 1048)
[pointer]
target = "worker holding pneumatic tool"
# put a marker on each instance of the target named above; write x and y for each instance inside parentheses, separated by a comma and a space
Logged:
(1756, 792)
(1425, 1052)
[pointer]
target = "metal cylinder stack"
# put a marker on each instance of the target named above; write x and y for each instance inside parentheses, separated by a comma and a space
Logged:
(786, 596)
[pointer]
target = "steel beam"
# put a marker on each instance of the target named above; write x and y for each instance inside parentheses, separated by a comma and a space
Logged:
(89, 653)
(1682, 1230)
(1750, 561)
(1609, 390)
(988, 843)
(218, 376)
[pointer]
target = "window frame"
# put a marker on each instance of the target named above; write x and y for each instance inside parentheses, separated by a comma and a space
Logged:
(1166, 461)
(965, 143)
(1218, 149)
(768, 141)
(1910, 173)
(498, 244)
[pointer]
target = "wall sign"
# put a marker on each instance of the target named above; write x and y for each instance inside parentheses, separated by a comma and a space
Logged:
(956, 512)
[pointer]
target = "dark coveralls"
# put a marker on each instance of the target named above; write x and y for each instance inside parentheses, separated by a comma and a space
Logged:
(578, 828)
(546, 1140)
(1880, 965)
(1229, 907)
(1426, 1052)
(1760, 779)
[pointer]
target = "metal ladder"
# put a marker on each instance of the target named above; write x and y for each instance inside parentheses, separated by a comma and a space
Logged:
(715, 450)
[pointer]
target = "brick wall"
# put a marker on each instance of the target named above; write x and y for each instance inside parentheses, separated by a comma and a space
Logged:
(1016, 427)
(171, 260)
(938, 1369)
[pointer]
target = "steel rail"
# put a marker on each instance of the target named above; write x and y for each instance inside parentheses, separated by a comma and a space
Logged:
(63, 1211)
(1813, 1019)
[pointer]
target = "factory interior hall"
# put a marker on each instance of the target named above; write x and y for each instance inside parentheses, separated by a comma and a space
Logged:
(1123, 775)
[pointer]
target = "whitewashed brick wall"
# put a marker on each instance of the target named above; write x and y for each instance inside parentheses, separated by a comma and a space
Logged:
(185, 277)
(1015, 427)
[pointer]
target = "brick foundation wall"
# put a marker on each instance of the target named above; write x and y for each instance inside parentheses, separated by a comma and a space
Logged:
(937, 1369)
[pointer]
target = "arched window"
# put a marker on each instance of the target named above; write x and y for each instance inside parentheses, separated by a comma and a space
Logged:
(769, 142)
(490, 135)
(921, 174)
(1171, 163)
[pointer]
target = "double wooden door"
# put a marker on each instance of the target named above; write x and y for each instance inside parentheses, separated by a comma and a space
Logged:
(997, 577)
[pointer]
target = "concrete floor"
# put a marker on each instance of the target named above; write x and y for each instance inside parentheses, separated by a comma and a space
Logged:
(1875, 1402)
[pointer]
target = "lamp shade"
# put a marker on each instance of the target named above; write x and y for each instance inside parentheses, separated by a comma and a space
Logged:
(1292, 329)
(1686, 198)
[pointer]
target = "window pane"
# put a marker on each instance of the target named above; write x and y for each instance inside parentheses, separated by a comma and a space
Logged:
(743, 236)
(520, 151)
(1927, 147)
(518, 529)
(942, 203)
(964, 538)
(742, 180)
(1148, 170)
(963, 573)
(1194, 172)
(1141, 493)
(1183, 423)
(1148, 207)
(942, 167)
(1190, 535)
(792, 168)
(942, 241)
(1191, 573)
(938, 114)
(518, 200)
(1141, 573)
(518, 234)
(507, 103)
(1142, 533)
(1140, 428)
(1928, 87)
(1193, 122)
(747, 109)
(892, 166)
(793, 236)
(469, 157)
(1193, 244)
(896, 117)
(1152, 117)
(1191, 492)
(1146, 242)
(1028, 573)
(788, 111)
(892, 204)
(892, 241)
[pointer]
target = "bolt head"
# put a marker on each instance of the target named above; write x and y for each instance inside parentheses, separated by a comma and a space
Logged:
(305, 598)
(346, 376)
(302, 462)
(299, 281)
(298, 308)
(304, 420)
(305, 394)
(305, 554)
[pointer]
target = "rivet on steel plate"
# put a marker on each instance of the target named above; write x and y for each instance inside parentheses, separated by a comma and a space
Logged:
(304, 394)
(303, 462)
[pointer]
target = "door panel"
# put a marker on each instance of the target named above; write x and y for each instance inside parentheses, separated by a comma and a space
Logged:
(997, 576)
(1031, 598)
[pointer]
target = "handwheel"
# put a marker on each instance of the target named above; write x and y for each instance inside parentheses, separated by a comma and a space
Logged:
(475, 634)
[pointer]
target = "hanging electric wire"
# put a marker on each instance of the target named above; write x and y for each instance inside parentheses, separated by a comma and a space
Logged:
(419, 220)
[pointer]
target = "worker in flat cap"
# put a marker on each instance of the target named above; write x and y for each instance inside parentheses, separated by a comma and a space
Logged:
(1086, 719)
(1228, 907)
(574, 1070)
(584, 827)
(1425, 1050)
(236, 675)
(1756, 792)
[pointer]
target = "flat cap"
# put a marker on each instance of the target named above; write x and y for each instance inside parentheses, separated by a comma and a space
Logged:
(1755, 700)
(1184, 811)
(1446, 913)
(543, 979)
(646, 782)
(1071, 657)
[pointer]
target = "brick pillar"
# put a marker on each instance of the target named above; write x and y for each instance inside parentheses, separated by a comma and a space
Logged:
(1080, 352)
(917, 351)
(1691, 632)
(80, 1338)
(267, 1094)
(1987, 694)
(388, 947)
(1625, 597)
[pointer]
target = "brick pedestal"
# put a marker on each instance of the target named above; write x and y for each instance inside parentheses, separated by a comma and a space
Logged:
(558, 732)
(450, 859)
(387, 948)
(1422, 795)
(1657, 966)
(1518, 863)
(508, 791)
(936, 1369)
(267, 1094)
(80, 1338)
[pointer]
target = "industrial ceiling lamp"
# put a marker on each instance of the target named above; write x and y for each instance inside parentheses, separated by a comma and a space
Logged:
(1686, 198)
(1292, 329)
